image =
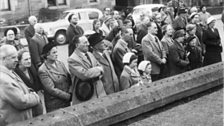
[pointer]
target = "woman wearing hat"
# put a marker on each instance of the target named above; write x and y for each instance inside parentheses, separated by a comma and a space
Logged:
(145, 69)
(178, 58)
(55, 79)
(212, 42)
(130, 76)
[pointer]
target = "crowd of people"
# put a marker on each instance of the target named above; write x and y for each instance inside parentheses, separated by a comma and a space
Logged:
(121, 54)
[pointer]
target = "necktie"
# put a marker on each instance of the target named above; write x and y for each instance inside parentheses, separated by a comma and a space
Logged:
(87, 56)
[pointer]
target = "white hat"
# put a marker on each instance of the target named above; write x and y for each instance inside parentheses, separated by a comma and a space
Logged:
(210, 19)
(142, 65)
(193, 14)
(126, 57)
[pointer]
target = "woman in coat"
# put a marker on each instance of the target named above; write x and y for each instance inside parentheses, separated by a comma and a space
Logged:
(55, 79)
(212, 42)
(29, 75)
(178, 58)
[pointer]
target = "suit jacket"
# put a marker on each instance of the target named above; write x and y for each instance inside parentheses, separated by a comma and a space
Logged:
(37, 43)
(16, 98)
(153, 51)
(117, 55)
(159, 32)
(81, 68)
(29, 32)
(34, 81)
(110, 80)
(129, 78)
(177, 59)
(56, 83)
(71, 32)
(179, 23)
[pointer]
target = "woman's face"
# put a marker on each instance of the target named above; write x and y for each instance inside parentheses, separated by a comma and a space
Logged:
(169, 30)
(193, 31)
(10, 35)
(133, 64)
(97, 25)
(25, 60)
(53, 54)
(212, 24)
(148, 69)
(192, 42)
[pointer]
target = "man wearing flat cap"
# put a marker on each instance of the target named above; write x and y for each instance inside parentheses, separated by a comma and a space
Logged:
(109, 79)
(86, 73)
(181, 21)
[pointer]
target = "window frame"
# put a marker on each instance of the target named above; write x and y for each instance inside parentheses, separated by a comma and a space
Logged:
(9, 6)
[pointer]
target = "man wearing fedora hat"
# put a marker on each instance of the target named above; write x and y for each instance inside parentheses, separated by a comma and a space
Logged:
(86, 73)
(109, 79)
(181, 21)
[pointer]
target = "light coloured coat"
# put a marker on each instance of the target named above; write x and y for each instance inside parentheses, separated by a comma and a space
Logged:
(16, 99)
(81, 68)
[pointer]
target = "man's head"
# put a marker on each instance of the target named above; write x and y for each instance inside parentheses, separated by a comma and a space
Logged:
(73, 19)
(32, 20)
(82, 44)
(152, 28)
(158, 18)
(38, 29)
(127, 34)
(8, 56)
(97, 42)
(203, 8)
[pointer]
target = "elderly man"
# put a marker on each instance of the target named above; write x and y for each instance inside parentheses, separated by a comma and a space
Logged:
(72, 31)
(37, 42)
(86, 73)
(120, 49)
(153, 51)
(17, 100)
(109, 79)
(29, 30)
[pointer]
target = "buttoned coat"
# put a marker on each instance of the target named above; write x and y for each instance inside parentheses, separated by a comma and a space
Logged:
(117, 55)
(110, 80)
(153, 52)
(177, 59)
(16, 99)
(29, 32)
(56, 83)
(37, 43)
(81, 68)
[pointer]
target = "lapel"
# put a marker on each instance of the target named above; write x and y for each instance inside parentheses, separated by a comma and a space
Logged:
(168, 40)
(153, 41)
(25, 79)
(83, 59)
(58, 70)
(100, 58)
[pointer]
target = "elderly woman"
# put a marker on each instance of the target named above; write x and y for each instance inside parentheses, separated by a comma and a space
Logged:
(213, 44)
(130, 76)
(55, 79)
(30, 77)
(10, 38)
(145, 69)
(178, 58)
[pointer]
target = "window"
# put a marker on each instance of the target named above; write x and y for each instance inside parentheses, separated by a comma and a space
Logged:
(56, 2)
(4, 5)
(93, 15)
(61, 2)
(51, 3)
(92, 1)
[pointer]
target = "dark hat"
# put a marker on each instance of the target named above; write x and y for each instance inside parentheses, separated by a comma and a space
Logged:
(95, 39)
(48, 47)
(182, 11)
(179, 33)
(13, 29)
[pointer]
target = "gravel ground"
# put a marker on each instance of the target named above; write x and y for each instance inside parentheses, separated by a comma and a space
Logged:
(204, 109)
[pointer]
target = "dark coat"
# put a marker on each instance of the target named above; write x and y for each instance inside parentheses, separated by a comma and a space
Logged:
(141, 32)
(177, 59)
(159, 32)
(34, 81)
(179, 23)
(195, 57)
(110, 79)
(36, 46)
(29, 32)
(71, 32)
(213, 45)
(199, 34)
(56, 83)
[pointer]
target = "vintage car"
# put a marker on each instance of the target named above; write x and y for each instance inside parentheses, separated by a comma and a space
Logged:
(57, 30)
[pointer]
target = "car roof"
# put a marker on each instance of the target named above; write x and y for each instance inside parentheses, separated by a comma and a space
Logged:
(148, 6)
(82, 9)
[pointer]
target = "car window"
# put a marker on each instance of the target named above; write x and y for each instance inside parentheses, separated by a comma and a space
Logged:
(93, 15)
(154, 9)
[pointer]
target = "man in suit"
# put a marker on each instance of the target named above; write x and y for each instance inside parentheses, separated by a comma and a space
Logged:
(29, 30)
(37, 42)
(181, 21)
(17, 100)
(72, 31)
(109, 79)
(142, 29)
(120, 49)
(84, 66)
(153, 51)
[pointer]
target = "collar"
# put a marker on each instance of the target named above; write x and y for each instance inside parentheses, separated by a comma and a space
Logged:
(124, 43)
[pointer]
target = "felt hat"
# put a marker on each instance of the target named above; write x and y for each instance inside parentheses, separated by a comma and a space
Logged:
(182, 11)
(178, 33)
(48, 47)
(95, 39)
